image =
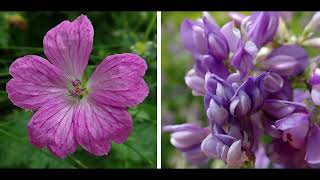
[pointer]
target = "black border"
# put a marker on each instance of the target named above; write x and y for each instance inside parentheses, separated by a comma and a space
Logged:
(160, 5)
(151, 174)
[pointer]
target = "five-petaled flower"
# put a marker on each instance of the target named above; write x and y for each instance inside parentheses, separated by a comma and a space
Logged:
(70, 112)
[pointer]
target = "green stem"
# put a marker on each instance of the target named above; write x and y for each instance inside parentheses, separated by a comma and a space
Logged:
(16, 138)
(4, 74)
(141, 155)
(150, 26)
(77, 161)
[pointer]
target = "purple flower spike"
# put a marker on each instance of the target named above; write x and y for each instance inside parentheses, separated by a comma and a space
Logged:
(261, 27)
(188, 138)
(68, 112)
(295, 128)
(288, 60)
(313, 147)
(218, 45)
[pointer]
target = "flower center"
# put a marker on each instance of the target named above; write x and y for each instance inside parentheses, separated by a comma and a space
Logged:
(77, 90)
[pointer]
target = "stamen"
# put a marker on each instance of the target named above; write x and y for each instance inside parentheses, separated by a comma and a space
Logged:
(77, 90)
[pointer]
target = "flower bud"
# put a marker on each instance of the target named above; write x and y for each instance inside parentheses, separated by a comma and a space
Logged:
(236, 17)
(314, 23)
(313, 42)
(195, 82)
(240, 105)
(218, 45)
(217, 114)
(288, 60)
(272, 82)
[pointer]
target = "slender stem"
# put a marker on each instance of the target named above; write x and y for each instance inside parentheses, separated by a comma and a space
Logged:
(78, 162)
(150, 26)
(138, 152)
(4, 74)
(16, 138)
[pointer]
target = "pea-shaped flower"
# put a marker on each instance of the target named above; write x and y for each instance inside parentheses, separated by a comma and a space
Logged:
(188, 138)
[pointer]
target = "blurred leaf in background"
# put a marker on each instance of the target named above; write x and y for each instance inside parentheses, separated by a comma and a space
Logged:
(114, 32)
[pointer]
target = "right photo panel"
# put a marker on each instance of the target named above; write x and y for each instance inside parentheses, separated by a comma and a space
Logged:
(240, 89)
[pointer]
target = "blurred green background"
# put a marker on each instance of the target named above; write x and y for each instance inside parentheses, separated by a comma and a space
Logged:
(178, 104)
(21, 33)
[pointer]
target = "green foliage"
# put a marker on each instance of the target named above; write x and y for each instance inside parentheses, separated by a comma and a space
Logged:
(115, 32)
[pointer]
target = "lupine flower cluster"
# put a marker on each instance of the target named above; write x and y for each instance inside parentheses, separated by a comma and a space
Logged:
(261, 92)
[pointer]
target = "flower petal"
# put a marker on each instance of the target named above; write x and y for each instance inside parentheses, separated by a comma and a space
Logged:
(193, 37)
(96, 125)
(236, 157)
(52, 126)
(242, 59)
(232, 35)
(117, 81)
(195, 82)
(295, 128)
(287, 60)
(313, 153)
(35, 81)
(69, 44)
(315, 95)
(314, 24)
(236, 17)
(209, 145)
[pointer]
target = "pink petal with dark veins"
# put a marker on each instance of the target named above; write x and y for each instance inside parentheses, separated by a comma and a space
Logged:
(35, 82)
(118, 81)
(69, 44)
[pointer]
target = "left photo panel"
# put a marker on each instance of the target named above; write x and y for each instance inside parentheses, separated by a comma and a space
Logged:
(78, 89)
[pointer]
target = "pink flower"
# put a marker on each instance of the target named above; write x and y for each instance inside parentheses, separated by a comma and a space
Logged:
(69, 111)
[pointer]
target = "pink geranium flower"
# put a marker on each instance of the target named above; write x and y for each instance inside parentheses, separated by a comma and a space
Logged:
(68, 111)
